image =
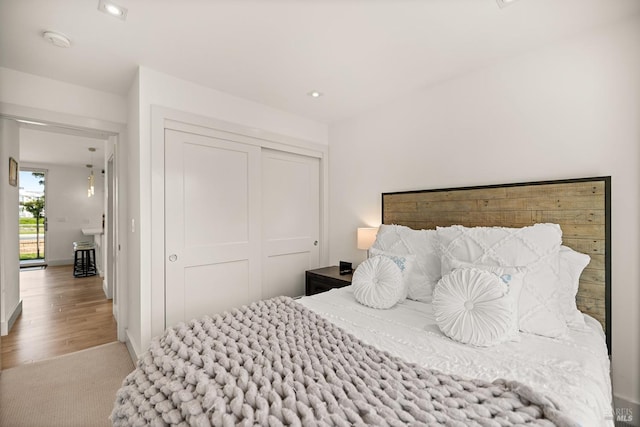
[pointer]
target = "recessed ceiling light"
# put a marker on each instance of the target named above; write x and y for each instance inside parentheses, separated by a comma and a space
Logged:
(315, 94)
(112, 9)
(56, 39)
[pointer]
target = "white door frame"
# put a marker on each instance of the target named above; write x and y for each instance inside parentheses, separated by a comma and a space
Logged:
(165, 118)
(110, 254)
(115, 132)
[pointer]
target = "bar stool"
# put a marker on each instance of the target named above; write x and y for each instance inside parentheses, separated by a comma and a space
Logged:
(84, 259)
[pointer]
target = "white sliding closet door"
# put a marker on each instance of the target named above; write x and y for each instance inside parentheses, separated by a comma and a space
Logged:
(212, 225)
(291, 212)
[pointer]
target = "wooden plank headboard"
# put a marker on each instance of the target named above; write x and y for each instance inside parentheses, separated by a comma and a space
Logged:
(582, 208)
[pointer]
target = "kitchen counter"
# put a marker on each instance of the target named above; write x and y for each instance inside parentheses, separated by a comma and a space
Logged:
(92, 231)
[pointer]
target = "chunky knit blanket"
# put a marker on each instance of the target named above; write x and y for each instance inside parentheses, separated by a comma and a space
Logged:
(276, 362)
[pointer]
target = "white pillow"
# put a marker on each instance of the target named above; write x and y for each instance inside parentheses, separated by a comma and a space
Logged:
(571, 265)
(535, 247)
(513, 277)
(402, 240)
(405, 264)
(476, 307)
(377, 283)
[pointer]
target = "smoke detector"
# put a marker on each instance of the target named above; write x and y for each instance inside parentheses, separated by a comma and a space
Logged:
(57, 39)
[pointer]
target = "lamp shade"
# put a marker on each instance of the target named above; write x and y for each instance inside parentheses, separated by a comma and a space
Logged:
(366, 237)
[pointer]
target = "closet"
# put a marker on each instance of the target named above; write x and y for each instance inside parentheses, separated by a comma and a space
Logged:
(242, 223)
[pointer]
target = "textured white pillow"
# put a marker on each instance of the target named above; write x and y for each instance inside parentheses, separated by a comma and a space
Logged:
(476, 307)
(513, 277)
(535, 247)
(402, 240)
(571, 265)
(377, 283)
(405, 264)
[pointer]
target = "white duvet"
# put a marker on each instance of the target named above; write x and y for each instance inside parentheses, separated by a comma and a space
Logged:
(573, 371)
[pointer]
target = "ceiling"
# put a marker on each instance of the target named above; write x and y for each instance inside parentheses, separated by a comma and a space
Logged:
(358, 53)
(54, 146)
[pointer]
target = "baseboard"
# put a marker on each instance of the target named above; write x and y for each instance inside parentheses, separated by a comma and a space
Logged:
(133, 352)
(105, 289)
(57, 262)
(626, 413)
(5, 327)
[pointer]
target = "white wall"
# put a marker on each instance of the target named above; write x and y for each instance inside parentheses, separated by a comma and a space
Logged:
(9, 257)
(161, 89)
(69, 210)
(153, 88)
(33, 91)
(569, 110)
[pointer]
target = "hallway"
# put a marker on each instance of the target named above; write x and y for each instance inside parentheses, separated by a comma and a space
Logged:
(60, 314)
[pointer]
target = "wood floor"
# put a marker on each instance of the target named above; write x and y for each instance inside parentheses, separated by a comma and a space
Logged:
(60, 314)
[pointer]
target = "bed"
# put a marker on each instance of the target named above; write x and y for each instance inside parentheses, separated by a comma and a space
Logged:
(330, 359)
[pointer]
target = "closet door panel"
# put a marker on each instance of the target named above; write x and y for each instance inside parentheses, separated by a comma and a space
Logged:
(231, 288)
(212, 225)
(291, 212)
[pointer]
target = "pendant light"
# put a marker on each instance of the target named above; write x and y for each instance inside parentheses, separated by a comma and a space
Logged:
(91, 187)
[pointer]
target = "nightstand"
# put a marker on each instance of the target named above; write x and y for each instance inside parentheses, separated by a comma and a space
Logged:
(324, 279)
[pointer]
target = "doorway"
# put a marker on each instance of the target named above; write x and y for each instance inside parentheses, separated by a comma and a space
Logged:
(32, 217)
(69, 180)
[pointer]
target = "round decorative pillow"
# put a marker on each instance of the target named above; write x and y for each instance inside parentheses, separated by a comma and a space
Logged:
(377, 283)
(474, 307)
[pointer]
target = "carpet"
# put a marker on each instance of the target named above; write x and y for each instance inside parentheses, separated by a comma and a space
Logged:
(76, 389)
